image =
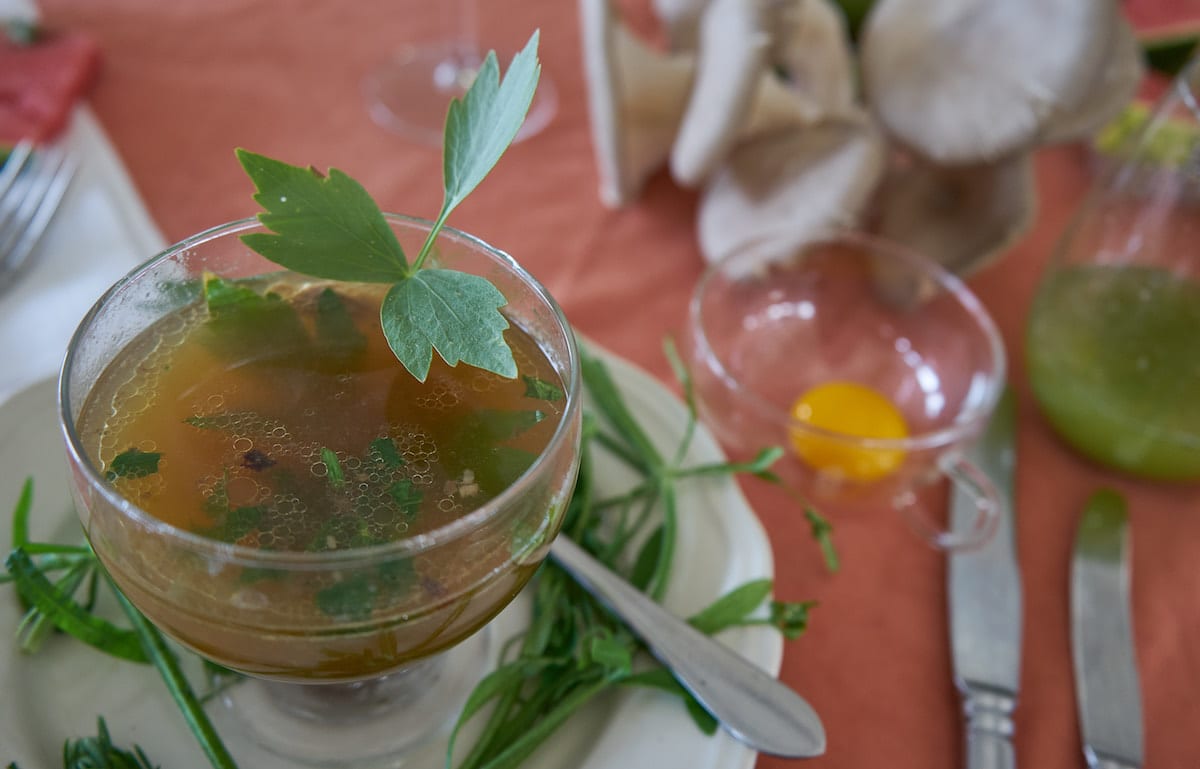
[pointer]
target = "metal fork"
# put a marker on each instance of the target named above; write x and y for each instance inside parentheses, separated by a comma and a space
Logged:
(32, 185)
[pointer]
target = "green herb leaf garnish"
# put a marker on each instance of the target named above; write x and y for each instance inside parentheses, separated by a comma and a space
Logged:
(325, 226)
(333, 467)
(133, 463)
(352, 597)
(328, 226)
(455, 313)
(336, 332)
(541, 389)
(385, 451)
(406, 497)
(481, 125)
(242, 321)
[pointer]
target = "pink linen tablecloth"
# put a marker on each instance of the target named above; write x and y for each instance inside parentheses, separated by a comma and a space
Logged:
(186, 81)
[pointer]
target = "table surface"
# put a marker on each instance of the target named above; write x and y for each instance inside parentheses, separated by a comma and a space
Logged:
(185, 82)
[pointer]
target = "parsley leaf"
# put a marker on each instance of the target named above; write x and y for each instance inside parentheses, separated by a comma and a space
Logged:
(407, 498)
(455, 313)
(540, 389)
(325, 226)
(243, 322)
(133, 463)
(384, 450)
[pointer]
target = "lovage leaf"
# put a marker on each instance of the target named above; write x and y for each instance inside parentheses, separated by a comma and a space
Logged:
(455, 313)
(325, 226)
(481, 125)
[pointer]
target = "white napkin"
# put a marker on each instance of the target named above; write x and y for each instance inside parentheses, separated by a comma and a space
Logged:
(101, 232)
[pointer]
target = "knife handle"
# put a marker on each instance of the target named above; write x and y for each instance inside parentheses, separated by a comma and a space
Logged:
(989, 728)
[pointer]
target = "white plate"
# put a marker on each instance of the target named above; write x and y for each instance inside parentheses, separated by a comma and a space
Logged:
(59, 692)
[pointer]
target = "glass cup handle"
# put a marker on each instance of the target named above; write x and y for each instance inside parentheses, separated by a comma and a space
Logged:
(973, 523)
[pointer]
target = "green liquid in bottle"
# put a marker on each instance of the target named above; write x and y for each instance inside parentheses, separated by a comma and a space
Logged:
(1114, 360)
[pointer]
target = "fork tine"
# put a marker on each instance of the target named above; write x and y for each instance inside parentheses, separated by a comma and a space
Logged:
(24, 196)
(36, 196)
(14, 164)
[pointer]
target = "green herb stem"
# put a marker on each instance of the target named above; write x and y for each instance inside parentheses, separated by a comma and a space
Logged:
(177, 684)
(20, 515)
(518, 751)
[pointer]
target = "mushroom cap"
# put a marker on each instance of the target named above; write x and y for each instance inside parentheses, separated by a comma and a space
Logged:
(730, 59)
(635, 99)
(1111, 90)
(786, 188)
(961, 217)
(974, 80)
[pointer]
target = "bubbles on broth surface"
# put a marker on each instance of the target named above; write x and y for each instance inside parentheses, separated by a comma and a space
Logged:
(296, 449)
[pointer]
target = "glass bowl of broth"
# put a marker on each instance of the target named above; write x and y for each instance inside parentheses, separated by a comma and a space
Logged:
(274, 491)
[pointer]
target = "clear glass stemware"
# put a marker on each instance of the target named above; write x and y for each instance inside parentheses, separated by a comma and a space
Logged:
(358, 652)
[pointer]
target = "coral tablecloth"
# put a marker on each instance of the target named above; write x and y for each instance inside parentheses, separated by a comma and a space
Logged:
(184, 82)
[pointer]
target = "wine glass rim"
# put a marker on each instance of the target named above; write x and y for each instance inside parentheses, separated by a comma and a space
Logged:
(358, 556)
(967, 422)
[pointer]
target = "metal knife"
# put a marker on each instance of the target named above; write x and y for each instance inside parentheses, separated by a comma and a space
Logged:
(1106, 677)
(985, 603)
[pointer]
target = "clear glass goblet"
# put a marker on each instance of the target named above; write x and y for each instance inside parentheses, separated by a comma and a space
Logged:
(358, 648)
(870, 365)
(409, 92)
(1111, 342)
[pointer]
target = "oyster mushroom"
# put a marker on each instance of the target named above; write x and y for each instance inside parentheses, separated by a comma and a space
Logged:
(785, 188)
(731, 55)
(751, 82)
(961, 217)
(975, 80)
(636, 97)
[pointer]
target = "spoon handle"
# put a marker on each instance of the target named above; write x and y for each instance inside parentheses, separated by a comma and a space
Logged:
(755, 708)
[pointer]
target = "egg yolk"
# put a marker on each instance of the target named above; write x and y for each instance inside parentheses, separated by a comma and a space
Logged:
(853, 410)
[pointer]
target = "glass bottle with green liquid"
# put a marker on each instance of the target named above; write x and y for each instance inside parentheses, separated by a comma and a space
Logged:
(1113, 341)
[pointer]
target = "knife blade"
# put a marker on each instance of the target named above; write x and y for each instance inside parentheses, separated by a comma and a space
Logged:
(984, 589)
(1106, 676)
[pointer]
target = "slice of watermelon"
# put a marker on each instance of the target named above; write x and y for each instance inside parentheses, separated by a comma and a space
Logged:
(40, 83)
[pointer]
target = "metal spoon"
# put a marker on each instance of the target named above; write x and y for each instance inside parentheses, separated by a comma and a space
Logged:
(752, 706)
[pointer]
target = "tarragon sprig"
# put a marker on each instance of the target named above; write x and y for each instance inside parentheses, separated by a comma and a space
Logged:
(52, 603)
(329, 227)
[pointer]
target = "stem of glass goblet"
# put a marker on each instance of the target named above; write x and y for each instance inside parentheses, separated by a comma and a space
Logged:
(379, 722)
(347, 702)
